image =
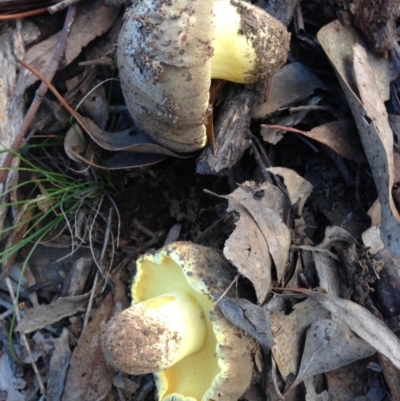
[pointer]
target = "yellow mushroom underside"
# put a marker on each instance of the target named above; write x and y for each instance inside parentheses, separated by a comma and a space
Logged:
(192, 376)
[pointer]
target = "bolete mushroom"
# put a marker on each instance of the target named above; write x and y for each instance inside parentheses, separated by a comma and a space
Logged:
(174, 331)
(168, 51)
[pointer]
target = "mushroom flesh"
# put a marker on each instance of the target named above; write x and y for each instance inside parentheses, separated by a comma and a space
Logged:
(174, 331)
(168, 51)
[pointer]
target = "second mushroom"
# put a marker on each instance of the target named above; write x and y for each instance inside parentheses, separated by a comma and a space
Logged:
(168, 52)
(174, 331)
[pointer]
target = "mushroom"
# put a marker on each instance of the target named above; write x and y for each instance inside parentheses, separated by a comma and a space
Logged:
(174, 331)
(168, 52)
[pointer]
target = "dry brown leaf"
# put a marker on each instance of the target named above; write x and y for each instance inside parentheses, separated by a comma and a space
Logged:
(363, 323)
(274, 135)
(259, 230)
(252, 319)
(58, 367)
(329, 345)
(297, 187)
(291, 84)
(39, 317)
(93, 19)
(89, 378)
(75, 142)
(365, 81)
(377, 138)
(247, 249)
(337, 41)
(288, 330)
(96, 105)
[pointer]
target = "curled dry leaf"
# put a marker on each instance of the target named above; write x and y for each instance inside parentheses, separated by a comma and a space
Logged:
(363, 323)
(365, 81)
(274, 135)
(287, 331)
(329, 345)
(92, 20)
(43, 315)
(130, 148)
(290, 85)
(75, 143)
(260, 234)
(58, 368)
(89, 378)
(252, 319)
(338, 135)
(297, 187)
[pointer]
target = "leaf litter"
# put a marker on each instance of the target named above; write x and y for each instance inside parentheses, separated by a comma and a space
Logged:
(290, 213)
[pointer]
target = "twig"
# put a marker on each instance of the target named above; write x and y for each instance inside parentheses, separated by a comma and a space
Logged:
(102, 255)
(229, 287)
(40, 93)
(23, 14)
(61, 6)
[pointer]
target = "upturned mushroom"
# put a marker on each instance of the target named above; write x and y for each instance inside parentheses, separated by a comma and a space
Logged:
(174, 331)
(168, 52)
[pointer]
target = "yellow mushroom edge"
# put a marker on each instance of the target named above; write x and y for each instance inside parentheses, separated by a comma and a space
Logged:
(229, 362)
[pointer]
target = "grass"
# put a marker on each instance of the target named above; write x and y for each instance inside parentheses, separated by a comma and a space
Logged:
(48, 203)
(52, 199)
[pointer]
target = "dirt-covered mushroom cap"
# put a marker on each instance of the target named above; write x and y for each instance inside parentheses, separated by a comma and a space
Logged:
(174, 330)
(168, 51)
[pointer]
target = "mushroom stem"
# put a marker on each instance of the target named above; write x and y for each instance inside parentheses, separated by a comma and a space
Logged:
(243, 44)
(155, 334)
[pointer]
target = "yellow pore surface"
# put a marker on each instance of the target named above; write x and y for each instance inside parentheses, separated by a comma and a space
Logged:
(193, 375)
(234, 57)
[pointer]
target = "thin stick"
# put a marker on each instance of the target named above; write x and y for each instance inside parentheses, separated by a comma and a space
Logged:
(102, 255)
(23, 15)
(61, 6)
(229, 287)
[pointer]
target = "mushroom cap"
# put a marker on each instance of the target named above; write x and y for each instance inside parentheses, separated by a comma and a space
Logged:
(163, 55)
(166, 60)
(222, 369)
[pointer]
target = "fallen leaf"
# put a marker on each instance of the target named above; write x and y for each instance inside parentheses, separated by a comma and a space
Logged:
(377, 139)
(288, 330)
(38, 317)
(365, 80)
(297, 187)
(252, 319)
(59, 363)
(363, 323)
(329, 345)
(291, 84)
(89, 378)
(274, 135)
(337, 41)
(262, 230)
(92, 19)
